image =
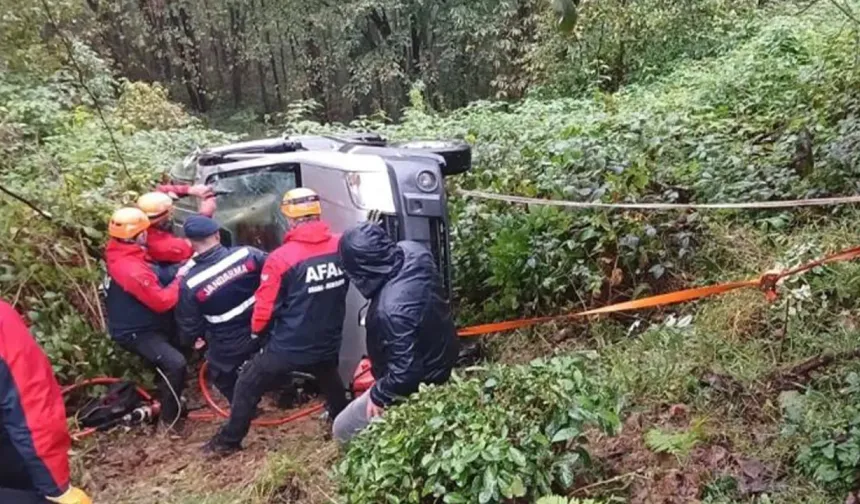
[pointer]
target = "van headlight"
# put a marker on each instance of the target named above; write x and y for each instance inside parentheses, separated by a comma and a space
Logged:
(370, 191)
(427, 181)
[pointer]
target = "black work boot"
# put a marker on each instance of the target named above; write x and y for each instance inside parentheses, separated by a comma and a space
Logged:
(220, 448)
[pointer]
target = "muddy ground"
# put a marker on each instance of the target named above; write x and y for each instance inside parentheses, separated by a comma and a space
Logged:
(144, 466)
(642, 475)
(290, 463)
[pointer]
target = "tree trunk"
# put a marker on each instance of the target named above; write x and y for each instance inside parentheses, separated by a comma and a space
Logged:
(272, 63)
(261, 72)
(157, 31)
(281, 45)
(216, 41)
(236, 60)
(415, 56)
(315, 77)
(189, 53)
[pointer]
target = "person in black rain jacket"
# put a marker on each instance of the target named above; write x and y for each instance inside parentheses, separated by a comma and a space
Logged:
(216, 300)
(411, 337)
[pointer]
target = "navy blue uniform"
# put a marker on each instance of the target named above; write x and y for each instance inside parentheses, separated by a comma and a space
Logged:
(216, 301)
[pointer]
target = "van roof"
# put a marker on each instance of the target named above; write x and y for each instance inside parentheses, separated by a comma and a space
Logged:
(332, 160)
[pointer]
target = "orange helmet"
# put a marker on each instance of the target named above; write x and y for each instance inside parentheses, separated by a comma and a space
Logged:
(126, 223)
(301, 202)
(157, 206)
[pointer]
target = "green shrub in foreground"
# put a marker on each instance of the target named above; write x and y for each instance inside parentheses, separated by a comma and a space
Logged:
(828, 428)
(513, 431)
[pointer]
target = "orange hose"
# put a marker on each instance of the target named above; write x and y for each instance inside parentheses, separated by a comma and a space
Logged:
(204, 389)
(225, 413)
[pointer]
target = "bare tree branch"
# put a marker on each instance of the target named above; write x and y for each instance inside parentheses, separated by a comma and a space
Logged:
(21, 199)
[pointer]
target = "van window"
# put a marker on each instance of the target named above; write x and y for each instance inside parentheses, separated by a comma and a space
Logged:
(249, 204)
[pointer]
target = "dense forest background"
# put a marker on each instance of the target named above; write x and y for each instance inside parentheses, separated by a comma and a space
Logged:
(360, 58)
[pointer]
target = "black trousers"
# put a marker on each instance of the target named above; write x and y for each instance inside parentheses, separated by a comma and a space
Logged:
(156, 349)
(16, 487)
(224, 381)
(269, 371)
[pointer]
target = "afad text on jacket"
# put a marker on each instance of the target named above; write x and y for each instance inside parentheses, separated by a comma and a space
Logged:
(302, 296)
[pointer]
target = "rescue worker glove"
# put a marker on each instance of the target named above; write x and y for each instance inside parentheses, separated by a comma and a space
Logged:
(73, 495)
(201, 191)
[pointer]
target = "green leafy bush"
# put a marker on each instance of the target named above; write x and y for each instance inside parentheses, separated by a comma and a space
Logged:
(771, 116)
(62, 160)
(829, 430)
(509, 432)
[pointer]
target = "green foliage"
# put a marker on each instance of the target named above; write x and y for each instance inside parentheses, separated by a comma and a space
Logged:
(608, 44)
(146, 106)
(735, 127)
(61, 159)
(829, 425)
(679, 443)
(509, 432)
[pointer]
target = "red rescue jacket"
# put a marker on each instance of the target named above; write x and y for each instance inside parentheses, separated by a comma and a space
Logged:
(136, 301)
(163, 246)
(32, 414)
(302, 296)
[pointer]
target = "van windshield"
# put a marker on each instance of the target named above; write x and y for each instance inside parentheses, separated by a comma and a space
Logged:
(249, 204)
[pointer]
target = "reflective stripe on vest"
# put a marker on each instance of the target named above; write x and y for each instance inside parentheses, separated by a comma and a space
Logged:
(218, 267)
(230, 315)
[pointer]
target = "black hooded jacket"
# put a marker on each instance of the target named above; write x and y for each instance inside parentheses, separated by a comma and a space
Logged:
(410, 334)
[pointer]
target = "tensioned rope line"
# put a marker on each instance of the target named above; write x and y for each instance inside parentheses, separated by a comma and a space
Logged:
(753, 205)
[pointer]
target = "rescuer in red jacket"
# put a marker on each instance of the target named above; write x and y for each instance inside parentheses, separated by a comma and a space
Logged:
(140, 309)
(34, 438)
(301, 300)
(162, 245)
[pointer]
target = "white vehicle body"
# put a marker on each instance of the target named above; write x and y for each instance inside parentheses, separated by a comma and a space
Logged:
(349, 183)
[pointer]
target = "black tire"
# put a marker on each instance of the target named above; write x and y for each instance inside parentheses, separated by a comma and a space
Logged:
(457, 155)
(351, 139)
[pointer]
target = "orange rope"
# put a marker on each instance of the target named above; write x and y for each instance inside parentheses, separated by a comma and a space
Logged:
(767, 283)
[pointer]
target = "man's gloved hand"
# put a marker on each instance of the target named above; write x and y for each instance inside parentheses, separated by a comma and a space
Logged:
(73, 495)
(201, 191)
